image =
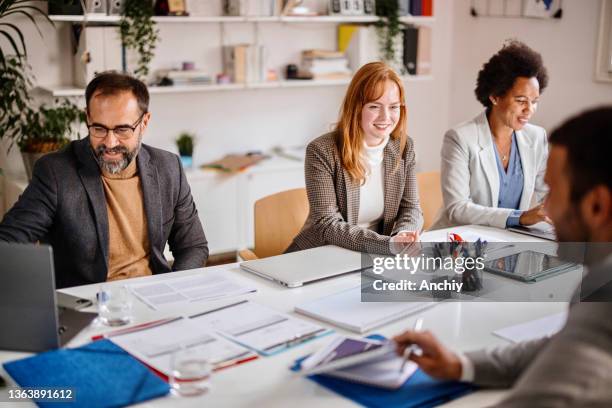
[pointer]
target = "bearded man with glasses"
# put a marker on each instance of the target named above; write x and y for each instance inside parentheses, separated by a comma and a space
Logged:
(108, 204)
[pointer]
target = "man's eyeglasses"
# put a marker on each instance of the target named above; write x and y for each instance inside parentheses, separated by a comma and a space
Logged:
(122, 132)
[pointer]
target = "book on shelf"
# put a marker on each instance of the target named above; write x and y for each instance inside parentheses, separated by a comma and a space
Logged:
(416, 8)
(323, 64)
(245, 63)
(322, 54)
(184, 77)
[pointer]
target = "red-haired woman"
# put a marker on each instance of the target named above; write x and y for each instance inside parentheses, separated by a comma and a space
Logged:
(360, 178)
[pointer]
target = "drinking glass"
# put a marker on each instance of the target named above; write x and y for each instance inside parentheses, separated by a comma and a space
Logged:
(114, 305)
(190, 372)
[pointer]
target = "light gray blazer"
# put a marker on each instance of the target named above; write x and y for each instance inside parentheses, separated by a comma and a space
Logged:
(334, 199)
(470, 179)
(571, 369)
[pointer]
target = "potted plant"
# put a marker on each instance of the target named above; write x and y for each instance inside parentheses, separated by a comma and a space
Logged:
(47, 129)
(185, 148)
(389, 30)
(138, 33)
(21, 121)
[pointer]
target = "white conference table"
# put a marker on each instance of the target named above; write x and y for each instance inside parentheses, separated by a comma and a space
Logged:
(268, 382)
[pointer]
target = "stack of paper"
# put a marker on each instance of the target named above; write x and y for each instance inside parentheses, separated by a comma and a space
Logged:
(177, 291)
(345, 309)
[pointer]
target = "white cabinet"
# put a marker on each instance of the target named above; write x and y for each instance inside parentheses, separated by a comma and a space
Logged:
(215, 195)
(225, 202)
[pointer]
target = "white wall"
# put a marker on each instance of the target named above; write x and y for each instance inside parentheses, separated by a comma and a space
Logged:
(567, 46)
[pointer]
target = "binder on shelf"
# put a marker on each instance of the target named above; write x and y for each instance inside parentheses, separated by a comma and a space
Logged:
(99, 371)
(423, 59)
(411, 41)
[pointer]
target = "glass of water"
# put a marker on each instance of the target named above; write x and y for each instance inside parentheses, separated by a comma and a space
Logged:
(190, 372)
(114, 305)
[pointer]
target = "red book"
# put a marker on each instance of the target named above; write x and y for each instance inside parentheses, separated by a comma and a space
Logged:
(427, 7)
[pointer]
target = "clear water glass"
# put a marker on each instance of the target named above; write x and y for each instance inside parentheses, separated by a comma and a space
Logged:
(114, 305)
(190, 372)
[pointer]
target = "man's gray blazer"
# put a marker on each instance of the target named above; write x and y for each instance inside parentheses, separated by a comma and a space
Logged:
(64, 205)
(570, 369)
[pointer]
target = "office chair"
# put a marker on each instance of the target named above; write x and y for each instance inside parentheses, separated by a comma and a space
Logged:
(278, 219)
(430, 196)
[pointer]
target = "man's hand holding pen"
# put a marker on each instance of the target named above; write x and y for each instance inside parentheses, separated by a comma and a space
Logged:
(435, 359)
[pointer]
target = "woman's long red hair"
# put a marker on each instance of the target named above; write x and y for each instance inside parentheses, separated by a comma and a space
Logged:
(367, 85)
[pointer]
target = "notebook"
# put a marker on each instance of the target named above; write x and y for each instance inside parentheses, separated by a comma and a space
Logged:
(345, 309)
(297, 268)
(100, 373)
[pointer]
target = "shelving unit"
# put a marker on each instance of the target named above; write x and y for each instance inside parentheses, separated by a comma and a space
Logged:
(93, 18)
(225, 201)
(67, 91)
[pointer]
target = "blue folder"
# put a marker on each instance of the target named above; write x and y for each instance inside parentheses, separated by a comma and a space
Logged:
(420, 390)
(101, 374)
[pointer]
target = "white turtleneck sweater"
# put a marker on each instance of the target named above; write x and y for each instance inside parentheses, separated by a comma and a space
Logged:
(372, 192)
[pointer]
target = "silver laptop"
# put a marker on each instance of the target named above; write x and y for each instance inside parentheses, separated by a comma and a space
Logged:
(297, 268)
(29, 317)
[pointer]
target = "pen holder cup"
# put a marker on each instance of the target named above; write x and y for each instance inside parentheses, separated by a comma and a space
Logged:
(465, 258)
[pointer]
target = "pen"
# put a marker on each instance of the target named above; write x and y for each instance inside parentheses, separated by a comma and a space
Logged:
(413, 347)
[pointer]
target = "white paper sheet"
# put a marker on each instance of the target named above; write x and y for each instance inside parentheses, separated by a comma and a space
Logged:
(258, 327)
(534, 329)
(177, 291)
(154, 346)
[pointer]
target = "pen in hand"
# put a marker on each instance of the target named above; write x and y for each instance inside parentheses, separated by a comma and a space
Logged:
(418, 324)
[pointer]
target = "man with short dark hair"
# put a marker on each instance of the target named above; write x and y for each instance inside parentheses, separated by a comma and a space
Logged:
(108, 203)
(574, 367)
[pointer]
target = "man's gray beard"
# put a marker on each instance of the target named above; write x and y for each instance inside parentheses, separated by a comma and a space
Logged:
(116, 166)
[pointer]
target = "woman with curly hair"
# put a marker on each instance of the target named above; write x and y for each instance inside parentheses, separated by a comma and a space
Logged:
(493, 165)
(360, 178)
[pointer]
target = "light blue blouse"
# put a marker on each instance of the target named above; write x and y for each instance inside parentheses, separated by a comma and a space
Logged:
(511, 183)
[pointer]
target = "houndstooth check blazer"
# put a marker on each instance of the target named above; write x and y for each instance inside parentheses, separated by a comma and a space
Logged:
(334, 199)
